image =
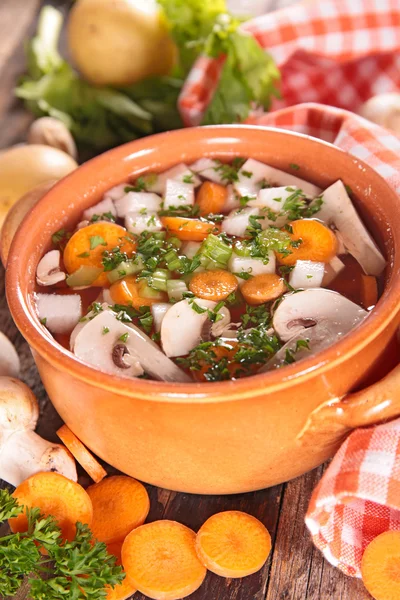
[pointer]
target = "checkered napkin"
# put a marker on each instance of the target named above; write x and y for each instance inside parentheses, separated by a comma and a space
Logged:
(336, 52)
(359, 495)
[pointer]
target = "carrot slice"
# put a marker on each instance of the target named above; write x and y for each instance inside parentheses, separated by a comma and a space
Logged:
(189, 229)
(213, 285)
(211, 198)
(233, 544)
(318, 243)
(160, 560)
(380, 566)
(54, 495)
(369, 291)
(126, 292)
(81, 454)
(123, 590)
(86, 247)
(263, 288)
(120, 504)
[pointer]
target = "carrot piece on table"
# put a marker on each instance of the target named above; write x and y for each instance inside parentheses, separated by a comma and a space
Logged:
(81, 454)
(123, 590)
(318, 243)
(160, 560)
(211, 198)
(233, 544)
(213, 285)
(263, 288)
(120, 504)
(127, 291)
(86, 247)
(380, 566)
(189, 229)
(54, 495)
(369, 291)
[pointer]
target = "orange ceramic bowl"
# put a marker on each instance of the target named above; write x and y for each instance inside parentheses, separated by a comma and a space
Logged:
(222, 437)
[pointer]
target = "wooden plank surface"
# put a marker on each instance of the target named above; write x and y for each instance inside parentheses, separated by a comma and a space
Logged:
(295, 569)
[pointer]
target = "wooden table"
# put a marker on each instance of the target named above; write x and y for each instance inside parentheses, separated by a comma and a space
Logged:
(295, 569)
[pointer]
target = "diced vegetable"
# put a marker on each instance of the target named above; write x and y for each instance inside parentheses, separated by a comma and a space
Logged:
(190, 249)
(263, 288)
(189, 229)
(369, 291)
(311, 240)
(129, 292)
(180, 173)
(104, 207)
(214, 252)
(247, 267)
(159, 310)
(158, 279)
(237, 221)
(232, 200)
(138, 222)
(307, 274)
(208, 169)
(117, 192)
(60, 313)
(211, 198)
(175, 289)
(178, 194)
(125, 268)
(84, 276)
(135, 202)
(213, 285)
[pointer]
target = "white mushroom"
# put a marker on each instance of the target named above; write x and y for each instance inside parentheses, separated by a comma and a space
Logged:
(307, 274)
(123, 349)
(237, 221)
(332, 270)
(22, 452)
(220, 327)
(302, 345)
(254, 173)
(338, 210)
(48, 271)
(178, 194)
(159, 310)
(137, 201)
(59, 313)
(253, 266)
(105, 206)
(297, 312)
(183, 326)
(9, 360)
(383, 109)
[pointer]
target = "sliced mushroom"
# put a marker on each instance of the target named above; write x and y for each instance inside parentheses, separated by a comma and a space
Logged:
(123, 349)
(178, 193)
(317, 338)
(105, 206)
(338, 210)
(297, 312)
(253, 173)
(59, 313)
(307, 274)
(182, 326)
(48, 271)
(159, 310)
(9, 360)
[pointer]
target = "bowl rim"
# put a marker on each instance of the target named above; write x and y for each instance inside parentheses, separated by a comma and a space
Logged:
(257, 385)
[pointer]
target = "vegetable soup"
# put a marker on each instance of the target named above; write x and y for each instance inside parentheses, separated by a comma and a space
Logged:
(209, 272)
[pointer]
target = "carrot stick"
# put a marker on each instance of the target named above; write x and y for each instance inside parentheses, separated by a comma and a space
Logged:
(189, 229)
(123, 590)
(213, 285)
(318, 243)
(380, 566)
(233, 544)
(54, 495)
(120, 504)
(161, 561)
(126, 291)
(211, 198)
(81, 454)
(263, 288)
(369, 291)
(86, 247)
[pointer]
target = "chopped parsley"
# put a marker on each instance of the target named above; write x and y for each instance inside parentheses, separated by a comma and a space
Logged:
(105, 330)
(84, 255)
(107, 216)
(255, 316)
(96, 240)
(60, 238)
(213, 315)
(43, 321)
(128, 314)
(188, 178)
(247, 174)
(139, 185)
(184, 210)
(124, 337)
(229, 173)
(294, 166)
(348, 189)
(244, 275)
(112, 258)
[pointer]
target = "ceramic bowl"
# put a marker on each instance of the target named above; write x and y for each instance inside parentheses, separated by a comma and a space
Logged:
(224, 437)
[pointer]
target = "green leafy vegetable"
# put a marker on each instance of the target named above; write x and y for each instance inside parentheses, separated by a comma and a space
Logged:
(79, 569)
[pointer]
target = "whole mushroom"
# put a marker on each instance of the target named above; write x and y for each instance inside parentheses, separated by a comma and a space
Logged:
(22, 452)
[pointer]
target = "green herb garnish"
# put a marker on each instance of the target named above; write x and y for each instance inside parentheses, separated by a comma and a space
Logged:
(97, 240)
(124, 337)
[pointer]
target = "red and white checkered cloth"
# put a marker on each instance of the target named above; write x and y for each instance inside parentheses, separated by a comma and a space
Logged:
(337, 52)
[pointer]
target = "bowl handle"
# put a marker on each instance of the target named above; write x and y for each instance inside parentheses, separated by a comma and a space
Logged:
(330, 423)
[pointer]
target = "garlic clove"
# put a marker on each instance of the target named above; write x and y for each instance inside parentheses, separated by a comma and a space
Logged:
(52, 132)
(9, 359)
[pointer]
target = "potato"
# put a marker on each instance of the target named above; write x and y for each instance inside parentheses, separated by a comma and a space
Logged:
(24, 167)
(119, 42)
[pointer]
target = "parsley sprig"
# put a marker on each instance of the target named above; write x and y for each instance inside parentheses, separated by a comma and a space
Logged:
(77, 569)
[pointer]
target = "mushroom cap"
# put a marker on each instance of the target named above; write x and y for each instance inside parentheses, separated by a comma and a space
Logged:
(9, 360)
(182, 326)
(48, 271)
(19, 409)
(299, 311)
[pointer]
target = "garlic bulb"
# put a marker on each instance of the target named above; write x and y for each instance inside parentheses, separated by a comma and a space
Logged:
(383, 110)
(52, 132)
